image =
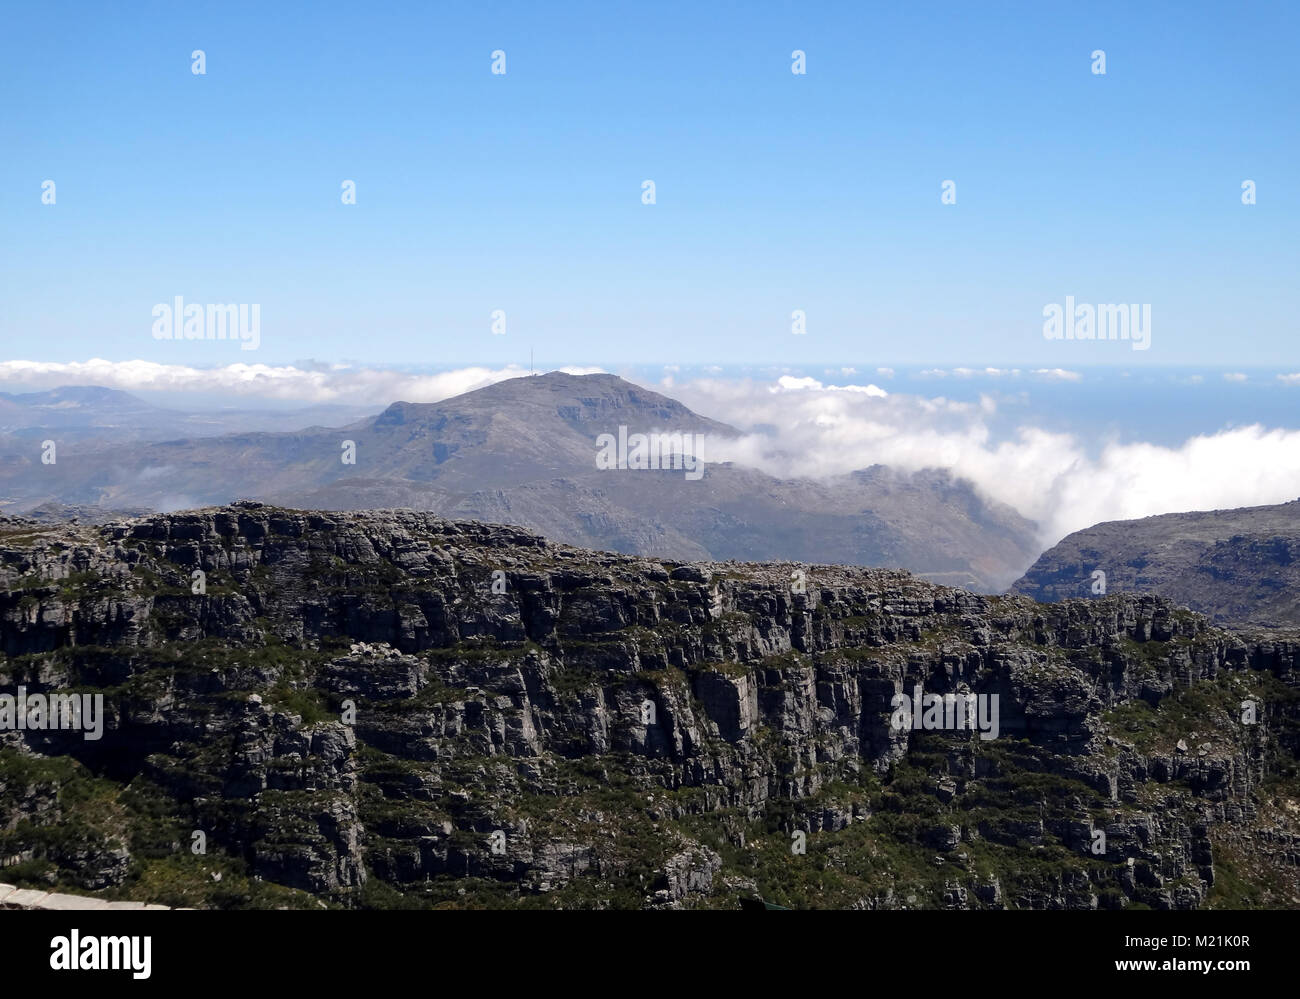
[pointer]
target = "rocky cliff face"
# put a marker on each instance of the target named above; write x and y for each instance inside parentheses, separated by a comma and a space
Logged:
(390, 709)
(1241, 568)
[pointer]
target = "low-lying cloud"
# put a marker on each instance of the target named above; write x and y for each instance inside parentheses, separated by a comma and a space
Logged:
(799, 427)
(308, 383)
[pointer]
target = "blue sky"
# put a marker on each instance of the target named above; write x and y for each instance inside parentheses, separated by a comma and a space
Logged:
(775, 192)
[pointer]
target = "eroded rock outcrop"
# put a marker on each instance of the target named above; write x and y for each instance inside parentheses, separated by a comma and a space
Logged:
(388, 708)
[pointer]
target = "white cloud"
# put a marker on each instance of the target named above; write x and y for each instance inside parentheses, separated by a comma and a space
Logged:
(799, 427)
(308, 383)
(1293, 379)
(1233, 376)
(1058, 374)
(789, 383)
(985, 372)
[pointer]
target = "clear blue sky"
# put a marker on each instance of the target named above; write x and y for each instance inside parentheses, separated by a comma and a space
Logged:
(775, 192)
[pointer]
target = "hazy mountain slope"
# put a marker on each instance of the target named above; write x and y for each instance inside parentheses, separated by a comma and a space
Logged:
(352, 712)
(1238, 567)
(78, 410)
(85, 413)
(523, 451)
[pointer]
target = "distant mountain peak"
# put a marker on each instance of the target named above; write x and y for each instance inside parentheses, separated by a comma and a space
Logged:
(590, 404)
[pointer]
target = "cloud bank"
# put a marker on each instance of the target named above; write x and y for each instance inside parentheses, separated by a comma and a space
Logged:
(308, 383)
(799, 427)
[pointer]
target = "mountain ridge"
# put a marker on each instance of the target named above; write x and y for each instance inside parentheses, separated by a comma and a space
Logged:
(523, 451)
(1238, 566)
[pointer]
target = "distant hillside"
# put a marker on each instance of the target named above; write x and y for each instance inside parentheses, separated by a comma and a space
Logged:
(523, 451)
(86, 413)
(1238, 567)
